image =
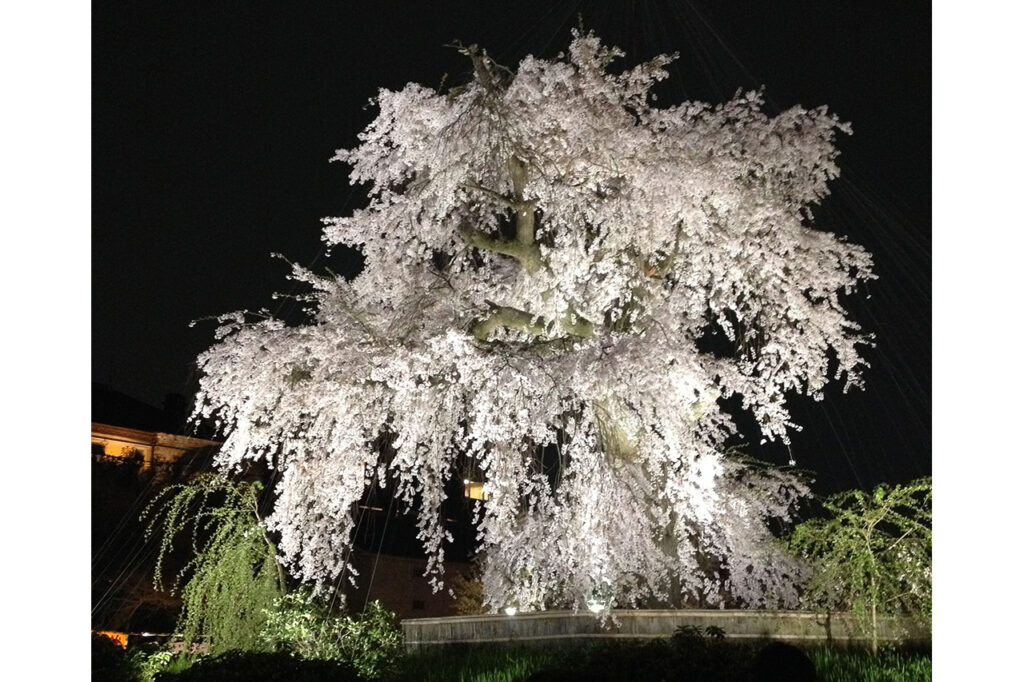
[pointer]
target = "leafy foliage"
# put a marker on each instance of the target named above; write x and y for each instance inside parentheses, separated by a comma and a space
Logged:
(232, 575)
(159, 661)
(685, 634)
(371, 642)
(872, 553)
(563, 281)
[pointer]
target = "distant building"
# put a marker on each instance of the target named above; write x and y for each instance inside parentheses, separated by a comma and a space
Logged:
(128, 430)
(146, 448)
(386, 555)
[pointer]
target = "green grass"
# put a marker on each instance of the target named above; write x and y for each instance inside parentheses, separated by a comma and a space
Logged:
(860, 666)
(640, 662)
(657, 660)
(477, 664)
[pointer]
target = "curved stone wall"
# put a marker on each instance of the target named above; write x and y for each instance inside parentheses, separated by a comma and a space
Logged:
(553, 627)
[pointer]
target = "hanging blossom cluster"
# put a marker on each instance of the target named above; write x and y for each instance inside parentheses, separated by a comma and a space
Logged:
(563, 282)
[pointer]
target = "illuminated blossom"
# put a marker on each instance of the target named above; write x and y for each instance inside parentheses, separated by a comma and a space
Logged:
(563, 283)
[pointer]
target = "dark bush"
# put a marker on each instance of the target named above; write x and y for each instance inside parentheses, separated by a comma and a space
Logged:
(780, 661)
(111, 663)
(241, 666)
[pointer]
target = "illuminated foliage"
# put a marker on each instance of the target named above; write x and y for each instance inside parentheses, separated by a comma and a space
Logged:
(872, 554)
(563, 282)
(371, 642)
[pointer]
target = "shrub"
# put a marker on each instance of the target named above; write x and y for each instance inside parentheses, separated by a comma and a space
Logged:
(111, 662)
(370, 642)
(373, 641)
(164, 661)
(872, 554)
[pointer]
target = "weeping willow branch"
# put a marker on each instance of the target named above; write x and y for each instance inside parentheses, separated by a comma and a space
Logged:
(233, 575)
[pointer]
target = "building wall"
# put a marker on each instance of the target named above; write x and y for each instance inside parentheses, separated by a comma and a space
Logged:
(155, 448)
(398, 583)
(120, 448)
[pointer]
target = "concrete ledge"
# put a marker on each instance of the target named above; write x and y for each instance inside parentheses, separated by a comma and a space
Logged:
(565, 627)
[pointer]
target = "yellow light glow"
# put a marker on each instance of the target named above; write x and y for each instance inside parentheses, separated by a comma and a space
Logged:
(119, 638)
(474, 490)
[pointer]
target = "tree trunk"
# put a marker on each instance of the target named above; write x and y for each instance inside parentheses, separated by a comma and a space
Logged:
(874, 616)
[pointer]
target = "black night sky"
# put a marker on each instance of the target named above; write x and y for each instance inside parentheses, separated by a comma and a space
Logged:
(213, 123)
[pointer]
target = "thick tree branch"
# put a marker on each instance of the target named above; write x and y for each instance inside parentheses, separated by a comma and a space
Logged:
(524, 209)
(497, 196)
(487, 72)
(525, 226)
(525, 220)
(517, 170)
(569, 324)
(528, 254)
(524, 249)
(575, 324)
(513, 318)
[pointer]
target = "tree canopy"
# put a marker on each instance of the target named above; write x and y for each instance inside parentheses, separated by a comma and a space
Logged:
(563, 283)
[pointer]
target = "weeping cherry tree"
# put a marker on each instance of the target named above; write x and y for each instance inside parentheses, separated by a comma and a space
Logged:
(552, 264)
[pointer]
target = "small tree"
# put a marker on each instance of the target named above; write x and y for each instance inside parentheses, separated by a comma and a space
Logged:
(233, 574)
(872, 554)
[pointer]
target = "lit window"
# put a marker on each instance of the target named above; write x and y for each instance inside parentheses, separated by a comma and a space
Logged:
(474, 490)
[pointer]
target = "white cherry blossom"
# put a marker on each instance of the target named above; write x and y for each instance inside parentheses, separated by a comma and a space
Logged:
(547, 256)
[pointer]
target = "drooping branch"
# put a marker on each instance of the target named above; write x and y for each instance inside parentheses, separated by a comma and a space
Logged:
(614, 440)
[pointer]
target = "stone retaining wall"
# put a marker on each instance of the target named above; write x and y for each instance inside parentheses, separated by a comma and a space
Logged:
(553, 627)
